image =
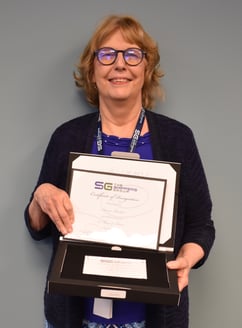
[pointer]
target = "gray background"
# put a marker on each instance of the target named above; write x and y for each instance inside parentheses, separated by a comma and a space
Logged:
(201, 52)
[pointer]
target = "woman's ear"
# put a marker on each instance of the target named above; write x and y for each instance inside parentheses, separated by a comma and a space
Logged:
(93, 79)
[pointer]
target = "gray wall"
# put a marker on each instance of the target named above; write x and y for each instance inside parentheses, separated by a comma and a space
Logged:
(201, 52)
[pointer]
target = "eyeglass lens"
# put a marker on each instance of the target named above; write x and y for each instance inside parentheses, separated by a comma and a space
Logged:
(132, 56)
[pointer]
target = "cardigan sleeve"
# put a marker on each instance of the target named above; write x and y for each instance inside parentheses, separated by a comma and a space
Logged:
(198, 225)
(75, 135)
(174, 141)
(54, 171)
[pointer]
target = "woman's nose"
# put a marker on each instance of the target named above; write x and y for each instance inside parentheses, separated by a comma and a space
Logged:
(120, 62)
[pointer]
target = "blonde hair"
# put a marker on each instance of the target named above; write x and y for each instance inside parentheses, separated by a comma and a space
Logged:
(132, 32)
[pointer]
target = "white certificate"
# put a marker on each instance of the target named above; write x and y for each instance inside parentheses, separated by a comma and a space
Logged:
(117, 209)
(124, 201)
(115, 267)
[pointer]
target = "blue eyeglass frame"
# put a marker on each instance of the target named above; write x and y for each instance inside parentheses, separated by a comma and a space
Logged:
(115, 52)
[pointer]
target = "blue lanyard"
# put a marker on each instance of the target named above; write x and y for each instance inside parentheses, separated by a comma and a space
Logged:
(135, 137)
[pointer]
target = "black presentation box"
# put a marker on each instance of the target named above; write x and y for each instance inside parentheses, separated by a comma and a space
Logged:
(123, 234)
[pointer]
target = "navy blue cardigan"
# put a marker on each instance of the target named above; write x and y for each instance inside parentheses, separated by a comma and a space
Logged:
(171, 141)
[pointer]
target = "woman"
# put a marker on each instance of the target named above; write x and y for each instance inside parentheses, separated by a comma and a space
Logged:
(119, 73)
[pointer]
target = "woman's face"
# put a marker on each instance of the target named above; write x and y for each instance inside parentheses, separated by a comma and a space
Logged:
(119, 82)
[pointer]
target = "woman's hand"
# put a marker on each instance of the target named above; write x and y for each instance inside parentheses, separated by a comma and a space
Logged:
(188, 256)
(50, 201)
(183, 270)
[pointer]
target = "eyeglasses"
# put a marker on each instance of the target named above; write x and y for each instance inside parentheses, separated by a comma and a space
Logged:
(131, 56)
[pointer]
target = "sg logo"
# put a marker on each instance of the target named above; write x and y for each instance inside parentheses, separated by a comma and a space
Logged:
(103, 185)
